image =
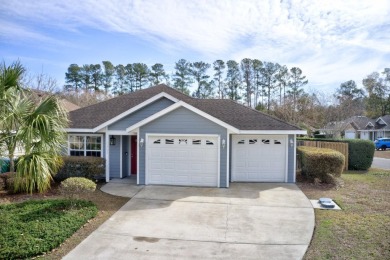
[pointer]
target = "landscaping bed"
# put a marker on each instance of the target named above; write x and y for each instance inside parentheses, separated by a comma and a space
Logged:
(106, 205)
(32, 227)
(362, 229)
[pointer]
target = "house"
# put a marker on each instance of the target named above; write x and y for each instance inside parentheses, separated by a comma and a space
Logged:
(163, 136)
(359, 127)
(37, 95)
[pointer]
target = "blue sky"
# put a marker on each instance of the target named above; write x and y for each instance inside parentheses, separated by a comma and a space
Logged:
(331, 41)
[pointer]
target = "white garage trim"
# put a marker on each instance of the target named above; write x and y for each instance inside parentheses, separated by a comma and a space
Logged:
(227, 158)
(273, 132)
(295, 157)
(259, 158)
(215, 149)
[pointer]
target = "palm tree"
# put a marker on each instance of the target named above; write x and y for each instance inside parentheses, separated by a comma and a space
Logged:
(39, 128)
(10, 89)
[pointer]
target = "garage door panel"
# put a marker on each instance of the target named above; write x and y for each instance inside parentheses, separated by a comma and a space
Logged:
(259, 158)
(182, 160)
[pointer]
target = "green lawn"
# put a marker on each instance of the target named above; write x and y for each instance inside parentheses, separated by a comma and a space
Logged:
(33, 227)
(362, 229)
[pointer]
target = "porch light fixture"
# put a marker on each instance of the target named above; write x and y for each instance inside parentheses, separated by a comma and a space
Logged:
(141, 142)
(291, 142)
(112, 140)
(223, 143)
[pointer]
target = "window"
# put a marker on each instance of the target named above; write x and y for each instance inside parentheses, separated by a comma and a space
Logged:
(169, 141)
(252, 141)
(265, 141)
(182, 141)
(277, 142)
(84, 145)
(196, 141)
(209, 142)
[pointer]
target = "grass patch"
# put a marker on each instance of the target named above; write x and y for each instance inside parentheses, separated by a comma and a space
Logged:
(34, 227)
(362, 229)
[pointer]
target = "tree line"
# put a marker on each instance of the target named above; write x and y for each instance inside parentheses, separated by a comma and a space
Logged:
(266, 86)
(255, 83)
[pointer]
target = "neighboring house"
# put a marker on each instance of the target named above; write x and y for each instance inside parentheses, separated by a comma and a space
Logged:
(165, 137)
(68, 106)
(37, 95)
(359, 127)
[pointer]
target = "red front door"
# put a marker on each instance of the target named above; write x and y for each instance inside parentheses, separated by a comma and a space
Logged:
(133, 154)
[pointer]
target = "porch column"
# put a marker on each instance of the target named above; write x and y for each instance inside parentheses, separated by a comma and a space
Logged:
(107, 156)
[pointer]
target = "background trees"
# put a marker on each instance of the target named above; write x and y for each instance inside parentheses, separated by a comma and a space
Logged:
(378, 89)
(181, 77)
(268, 86)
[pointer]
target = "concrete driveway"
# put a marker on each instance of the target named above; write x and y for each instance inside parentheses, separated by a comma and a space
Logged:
(246, 221)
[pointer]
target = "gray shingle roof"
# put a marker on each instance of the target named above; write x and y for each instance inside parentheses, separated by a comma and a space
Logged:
(228, 111)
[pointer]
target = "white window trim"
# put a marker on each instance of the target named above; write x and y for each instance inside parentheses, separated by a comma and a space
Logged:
(85, 142)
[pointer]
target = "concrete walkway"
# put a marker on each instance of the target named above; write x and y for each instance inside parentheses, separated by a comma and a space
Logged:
(246, 221)
(381, 163)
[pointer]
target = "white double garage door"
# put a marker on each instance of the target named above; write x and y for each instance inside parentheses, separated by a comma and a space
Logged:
(194, 160)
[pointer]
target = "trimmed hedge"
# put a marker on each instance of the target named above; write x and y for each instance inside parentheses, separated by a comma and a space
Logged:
(321, 163)
(360, 152)
(76, 185)
(80, 166)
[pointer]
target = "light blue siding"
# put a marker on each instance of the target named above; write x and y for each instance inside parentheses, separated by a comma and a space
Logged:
(291, 160)
(183, 121)
(125, 155)
(141, 114)
(115, 158)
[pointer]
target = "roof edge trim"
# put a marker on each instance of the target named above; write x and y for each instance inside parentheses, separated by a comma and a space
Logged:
(133, 109)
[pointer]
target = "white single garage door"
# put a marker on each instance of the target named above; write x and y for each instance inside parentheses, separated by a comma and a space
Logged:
(182, 160)
(259, 158)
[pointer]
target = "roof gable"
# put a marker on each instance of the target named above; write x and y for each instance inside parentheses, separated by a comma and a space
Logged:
(381, 120)
(176, 106)
(135, 108)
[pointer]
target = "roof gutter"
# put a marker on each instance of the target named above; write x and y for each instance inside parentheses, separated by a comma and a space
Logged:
(272, 132)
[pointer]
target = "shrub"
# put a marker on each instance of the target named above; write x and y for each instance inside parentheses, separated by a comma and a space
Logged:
(9, 180)
(321, 163)
(360, 152)
(74, 186)
(80, 166)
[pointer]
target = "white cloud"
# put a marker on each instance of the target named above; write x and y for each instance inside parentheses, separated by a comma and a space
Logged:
(323, 37)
